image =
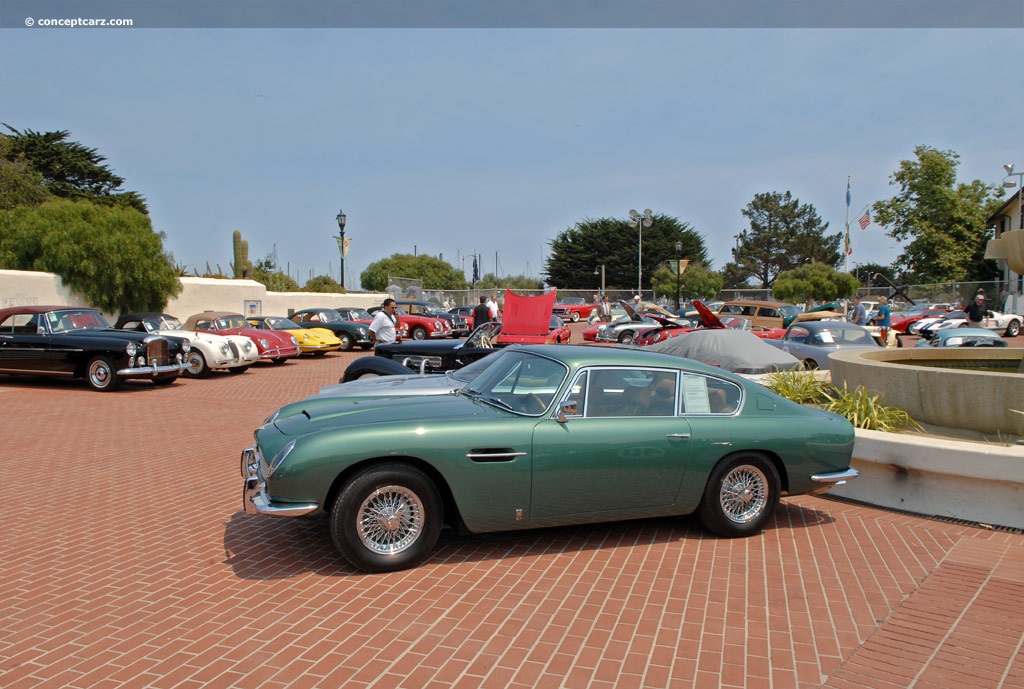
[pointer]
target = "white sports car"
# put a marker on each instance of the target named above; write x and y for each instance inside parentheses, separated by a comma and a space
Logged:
(1006, 323)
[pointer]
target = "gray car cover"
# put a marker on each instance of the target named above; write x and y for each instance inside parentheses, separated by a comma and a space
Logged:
(738, 351)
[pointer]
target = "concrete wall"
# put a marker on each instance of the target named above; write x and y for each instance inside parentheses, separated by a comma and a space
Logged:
(940, 477)
(976, 400)
(18, 287)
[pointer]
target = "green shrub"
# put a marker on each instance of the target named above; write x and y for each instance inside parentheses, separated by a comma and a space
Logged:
(865, 411)
(801, 386)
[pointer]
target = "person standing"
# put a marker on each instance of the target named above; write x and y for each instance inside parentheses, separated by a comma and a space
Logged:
(384, 327)
(481, 313)
(493, 306)
(605, 310)
(977, 311)
(858, 316)
(883, 320)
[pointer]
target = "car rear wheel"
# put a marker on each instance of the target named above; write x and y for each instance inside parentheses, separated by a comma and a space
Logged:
(575, 317)
(810, 364)
(740, 496)
(101, 374)
(387, 518)
(197, 367)
(419, 333)
(346, 342)
(1013, 329)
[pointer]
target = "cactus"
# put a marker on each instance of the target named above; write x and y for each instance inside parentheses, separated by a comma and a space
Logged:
(241, 267)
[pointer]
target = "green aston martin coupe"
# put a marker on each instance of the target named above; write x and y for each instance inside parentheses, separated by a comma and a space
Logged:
(547, 435)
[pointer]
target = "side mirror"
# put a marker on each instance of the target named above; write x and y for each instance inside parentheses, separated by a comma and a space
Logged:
(570, 408)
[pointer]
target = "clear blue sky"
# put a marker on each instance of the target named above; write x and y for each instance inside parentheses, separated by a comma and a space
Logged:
(492, 141)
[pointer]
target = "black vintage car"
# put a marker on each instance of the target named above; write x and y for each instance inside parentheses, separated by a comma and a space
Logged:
(77, 342)
(350, 333)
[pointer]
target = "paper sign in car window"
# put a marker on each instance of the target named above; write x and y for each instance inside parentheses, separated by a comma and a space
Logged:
(825, 337)
(695, 395)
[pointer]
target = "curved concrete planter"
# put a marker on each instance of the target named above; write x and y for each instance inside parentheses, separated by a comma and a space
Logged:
(939, 477)
(955, 398)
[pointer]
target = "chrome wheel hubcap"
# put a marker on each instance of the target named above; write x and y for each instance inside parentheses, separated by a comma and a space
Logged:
(744, 494)
(390, 520)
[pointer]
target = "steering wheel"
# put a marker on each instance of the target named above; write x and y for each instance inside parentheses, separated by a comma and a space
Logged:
(485, 342)
(533, 404)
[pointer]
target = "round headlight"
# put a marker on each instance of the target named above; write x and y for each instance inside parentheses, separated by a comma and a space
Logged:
(247, 347)
(131, 348)
(295, 342)
(263, 341)
(223, 347)
(186, 347)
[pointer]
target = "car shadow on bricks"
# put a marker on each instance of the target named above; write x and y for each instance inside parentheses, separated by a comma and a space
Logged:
(276, 548)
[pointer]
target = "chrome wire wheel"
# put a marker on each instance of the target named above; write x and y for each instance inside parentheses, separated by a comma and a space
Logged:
(744, 494)
(390, 520)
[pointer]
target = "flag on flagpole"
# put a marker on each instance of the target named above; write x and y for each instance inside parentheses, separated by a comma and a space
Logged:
(865, 220)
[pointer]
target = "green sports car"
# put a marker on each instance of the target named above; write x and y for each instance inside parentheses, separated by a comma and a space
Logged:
(548, 435)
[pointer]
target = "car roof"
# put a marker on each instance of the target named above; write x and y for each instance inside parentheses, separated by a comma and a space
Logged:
(579, 355)
(35, 308)
(212, 315)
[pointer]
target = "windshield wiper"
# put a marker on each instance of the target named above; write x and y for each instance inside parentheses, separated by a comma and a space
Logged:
(498, 402)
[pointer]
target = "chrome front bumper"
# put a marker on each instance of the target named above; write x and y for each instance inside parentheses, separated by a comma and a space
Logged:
(151, 371)
(254, 495)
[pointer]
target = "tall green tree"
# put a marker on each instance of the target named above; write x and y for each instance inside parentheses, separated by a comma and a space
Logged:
(783, 235)
(943, 221)
(695, 282)
(323, 283)
(577, 252)
(20, 184)
(108, 254)
(434, 272)
(814, 282)
(512, 282)
(70, 170)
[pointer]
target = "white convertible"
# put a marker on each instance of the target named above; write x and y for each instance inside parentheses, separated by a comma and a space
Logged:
(234, 353)
(1005, 323)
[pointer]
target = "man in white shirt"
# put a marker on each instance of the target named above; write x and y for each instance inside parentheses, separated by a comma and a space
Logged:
(385, 323)
(493, 306)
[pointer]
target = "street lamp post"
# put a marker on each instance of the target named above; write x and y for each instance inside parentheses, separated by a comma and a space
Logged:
(342, 245)
(601, 271)
(640, 222)
(679, 251)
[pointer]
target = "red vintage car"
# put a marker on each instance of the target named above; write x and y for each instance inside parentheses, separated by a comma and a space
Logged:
(273, 345)
(573, 309)
(902, 320)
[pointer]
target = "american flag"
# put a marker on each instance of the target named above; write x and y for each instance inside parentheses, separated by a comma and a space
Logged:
(865, 220)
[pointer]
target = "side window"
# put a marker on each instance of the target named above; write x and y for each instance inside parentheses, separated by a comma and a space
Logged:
(578, 394)
(768, 312)
(709, 395)
(749, 310)
(631, 392)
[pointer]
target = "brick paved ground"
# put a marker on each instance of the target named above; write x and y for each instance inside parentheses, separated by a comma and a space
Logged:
(127, 562)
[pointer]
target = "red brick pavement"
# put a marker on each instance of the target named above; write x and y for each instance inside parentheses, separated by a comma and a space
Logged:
(127, 562)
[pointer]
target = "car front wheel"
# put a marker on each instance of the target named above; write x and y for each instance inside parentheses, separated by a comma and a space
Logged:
(627, 337)
(197, 367)
(740, 496)
(1013, 329)
(575, 317)
(387, 518)
(101, 374)
(419, 333)
(346, 342)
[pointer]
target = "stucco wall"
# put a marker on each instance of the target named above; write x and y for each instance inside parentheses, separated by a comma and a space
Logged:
(976, 400)
(18, 287)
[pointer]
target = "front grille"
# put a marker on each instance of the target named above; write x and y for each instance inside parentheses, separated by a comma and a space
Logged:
(157, 349)
(234, 349)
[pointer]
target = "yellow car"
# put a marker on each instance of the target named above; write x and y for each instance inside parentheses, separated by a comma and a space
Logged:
(315, 341)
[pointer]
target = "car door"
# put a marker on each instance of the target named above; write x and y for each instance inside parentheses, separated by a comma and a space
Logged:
(625, 451)
(22, 346)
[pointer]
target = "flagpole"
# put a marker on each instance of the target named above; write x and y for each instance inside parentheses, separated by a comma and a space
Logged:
(847, 247)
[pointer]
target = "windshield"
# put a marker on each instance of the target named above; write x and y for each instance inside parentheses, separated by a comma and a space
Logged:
(484, 335)
(790, 311)
(161, 323)
(469, 373)
(278, 323)
(827, 336)
(519, 382)
(228, 322)
(75, 319)
(358, 315)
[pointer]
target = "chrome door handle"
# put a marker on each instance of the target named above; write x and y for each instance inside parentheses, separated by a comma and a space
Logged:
(681, 436)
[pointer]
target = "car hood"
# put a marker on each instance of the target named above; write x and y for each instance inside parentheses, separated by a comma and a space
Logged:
(330, 414)
(393, 386)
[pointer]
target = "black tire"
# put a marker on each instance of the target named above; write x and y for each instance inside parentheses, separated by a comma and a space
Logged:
(278, 361)
(346, 342)
(575, 317)
(1013, 329)
(419, 333)
(627, 337)
(197, 367)
(811, 364)
(387, 518)
(320, 353)
(101, 374)
(740, 496)
(239, 369)
(365, 347)
(160, 382)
